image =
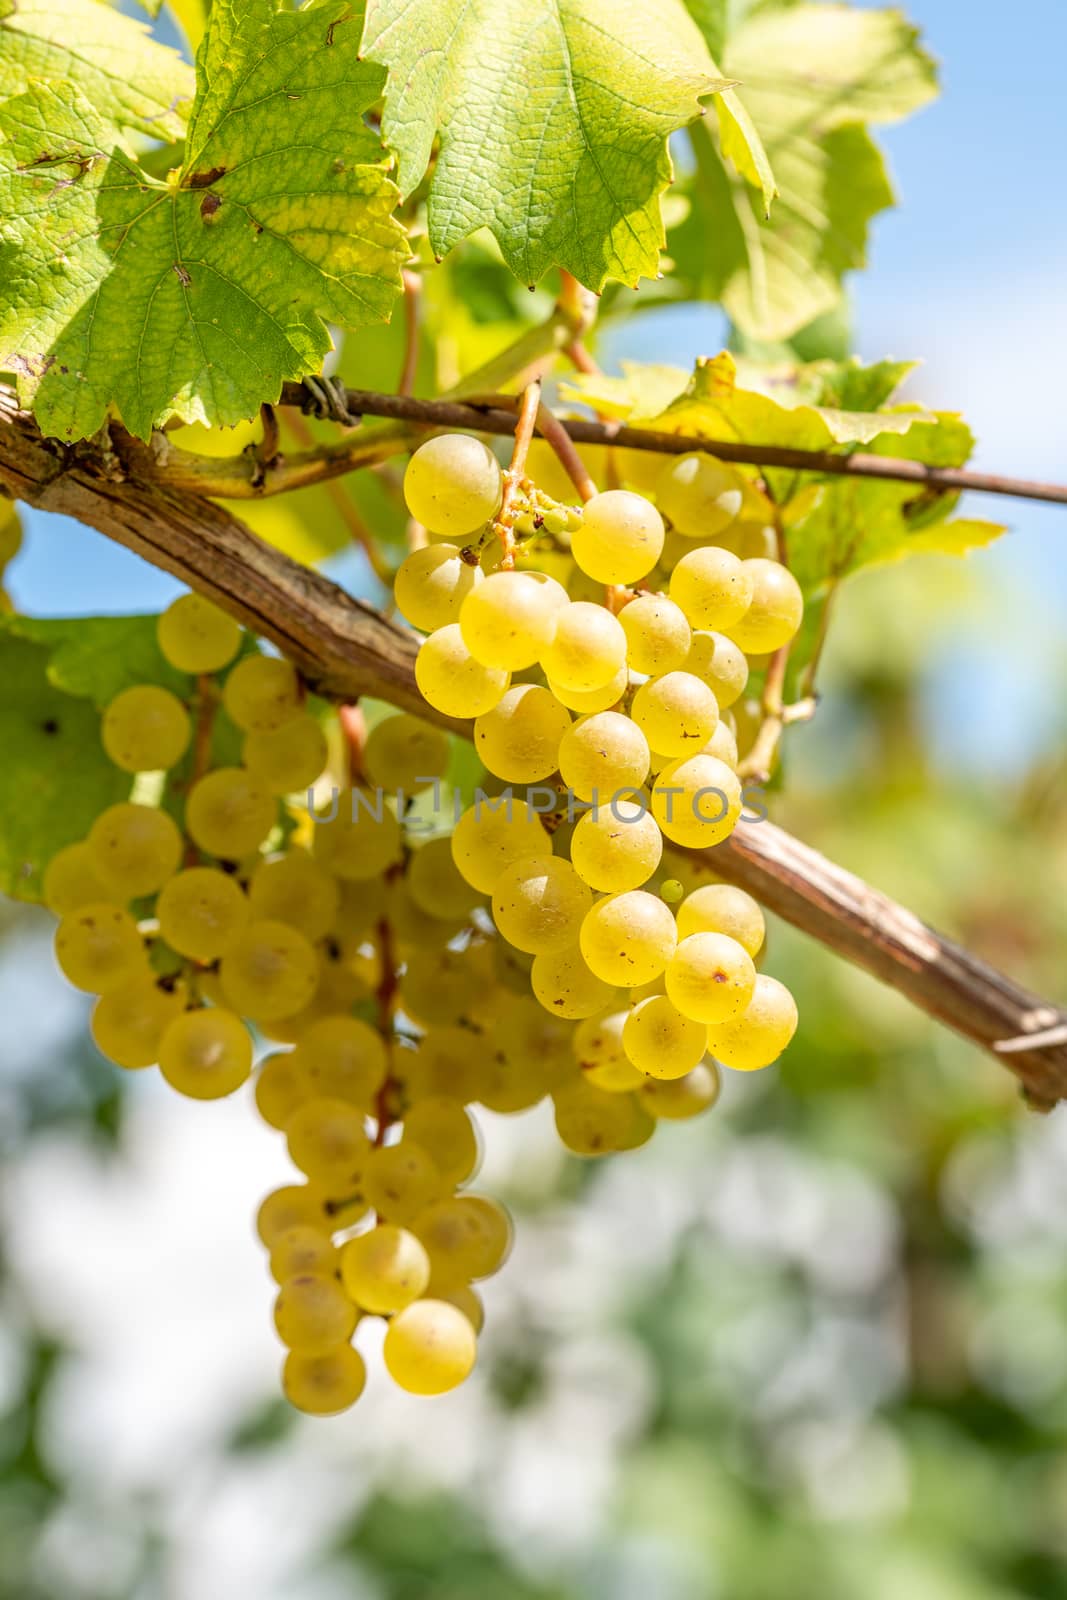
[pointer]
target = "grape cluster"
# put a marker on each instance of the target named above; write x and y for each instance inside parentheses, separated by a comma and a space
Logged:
(406, 968)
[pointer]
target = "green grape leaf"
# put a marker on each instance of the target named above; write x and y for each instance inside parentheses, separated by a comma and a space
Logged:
(97, 657)
(198, 296)
(553, 122)
(54, 777)
(812, 77)
(130, 80)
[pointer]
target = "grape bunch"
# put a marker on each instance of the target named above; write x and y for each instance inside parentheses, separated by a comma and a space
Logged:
(302, 908)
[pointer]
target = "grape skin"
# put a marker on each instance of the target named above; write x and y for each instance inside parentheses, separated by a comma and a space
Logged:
(519, 739)
(145, 729)
(450, 678)
(262, 693)
(135, 848)
(619, 538)
(430, 1347)
(195, 636)
(431, 585)
(98, 948)
(324, 1385)
(386, 1269)
(206, 1054)
(453, 485)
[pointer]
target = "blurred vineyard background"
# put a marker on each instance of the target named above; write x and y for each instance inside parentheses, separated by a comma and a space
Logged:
(812, 1345)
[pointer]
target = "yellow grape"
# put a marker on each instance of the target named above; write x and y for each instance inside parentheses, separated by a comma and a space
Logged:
(401, 1180)
(201, 911)
(758, 1036)
(616, 847)
(229, 813)
(489, 838)
(99, 948)
(135, 848)
(295, 889)
(297, 1205)
(465, 1300)
(386, 1269)
(301, 1250)
(587, 649)
(430, 1347)
(195, 636)
(588, 701)
(658, 634)
(288, 759)
(281, 1087)
(713, 588)
(627, 939)
(660, 1041)
(440, 1126)
(262, 693)
(721, 664)
(603, 754)
(449, 1061)
(269, 970)
(563, 983)
(453, 485)
(720, 908)
(450, 678)
(697, 801)
(466, 1236)
(404, 753)
(619, 538)
(206, 1054)
(359, 838)
(508, 620)
(775, 612)
(748, 538)
(598, 1050)
(313, 1314)
(519, 740)
(722, 745)
(327, 1142)
(145, 729)
(441, 986)
(323, 1385)
(678, 1099)
(595, 1122)
(343, 1058)
(431, 585)
(711, 978)
(435, 884)
(700, 495)
(539, 904)
(72, 881)
(676, 713)
(128, 1022)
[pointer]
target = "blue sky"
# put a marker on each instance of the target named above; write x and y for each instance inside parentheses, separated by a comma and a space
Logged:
(968, 273)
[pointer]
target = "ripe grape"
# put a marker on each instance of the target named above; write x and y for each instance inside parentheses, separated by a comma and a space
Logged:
(431, 585)
(323, 1385)
(603, 754)
(401, 1180)
(313, 1314)
(465, 1237)
(440, 1126)
(441, 986)
(98, 948)
(722, 745)
(229, 813)
(519, 739)
(775, 612)
(757, 1036)
(700, 495)
(145, 729)
(658, 634)
(343, 1058)
(297, 1205)
(619, 538)
(661, 1041)
(129, 1021)
(360, 838)
(508, 620)
(448, 1061)
(539, 904)
(430, 1347)
(720, 663)
(676, 713)
(748, 539)
(405, 753)
(678, 1099)
(386, 1269)
(281, 1087)
(195, 636)
(453, 485)
(262, 693)
(436, 885)
(713, 588)
(595, 1122)
(697, 801)
(598, 1050)
(72, 881)
(616, 847)
(206, 1054)
(488, 839)
(628, 938)
(710, 978)
(720, 908)
(587, 649)
(135, 848)
(327, 1142)
(295, 889)
(465, 1300)
(589, 701)
(301, 1250)
(451, 680)
(287, 759)
(269, 970)
(563, 983)
(200, 911)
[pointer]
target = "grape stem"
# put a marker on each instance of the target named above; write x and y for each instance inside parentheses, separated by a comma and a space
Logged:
(514, 476)
(354, 732)
(412, 325)
(385, 996)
